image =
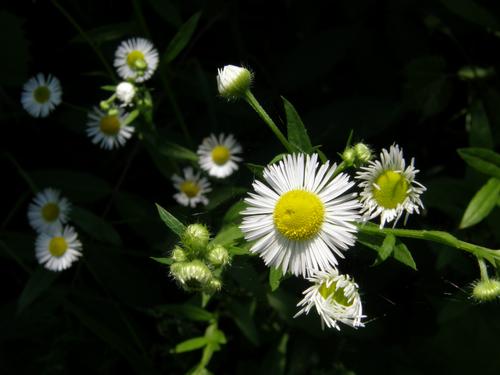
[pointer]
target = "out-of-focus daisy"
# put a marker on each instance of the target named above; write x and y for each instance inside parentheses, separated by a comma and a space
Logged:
(57, 250)
(192, 188)
(48, 211)
(335, 298)
(217, 155)
(303, 217)
(41, 95)
(136, 59)
(125, 92)
(109, 131)
(233, 81)
(389, 187)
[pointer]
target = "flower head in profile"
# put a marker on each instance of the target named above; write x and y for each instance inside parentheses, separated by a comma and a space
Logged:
(48, 211)
(41, 95)
(192, 188)
(218, 155)
(303, 218)
(233, 81)
(389, 187)
(58, 249)
(335, 298)
(108, 130)
(136, 59)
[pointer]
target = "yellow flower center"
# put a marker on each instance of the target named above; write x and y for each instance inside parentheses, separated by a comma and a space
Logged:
(50, 212)
(337, 294)
(190, 188)
(110, 125)
(299, 215)
(41, 94)
(134, 57)
(58, 246)
(220, 155)
(393, 189)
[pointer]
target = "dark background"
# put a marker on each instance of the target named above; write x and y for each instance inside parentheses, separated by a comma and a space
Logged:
(385, 69)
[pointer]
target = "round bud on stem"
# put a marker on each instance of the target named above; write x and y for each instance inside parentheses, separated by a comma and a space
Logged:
(233, 81)
(218, 256)
(486, 290)
(195, 238)
(363, 153)
(178, 254)
(194, 275)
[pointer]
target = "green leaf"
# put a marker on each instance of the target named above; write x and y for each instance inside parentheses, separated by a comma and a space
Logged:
(167, 261)
(478, 125)
(111, 88)
(185, 311)
(228, 235)
(242, 315)
(481, 204)
(403, 255)
(95, 226)
(484, 160)
(472, 12)
(236, 250)
(38, 283)
(275, 276)
(233, 215)
(175, 225)
(176, 151)
(386, 249)
(191, 344)
(297, 133)
(107, 33)
(223, 194)
(131, 117)
(182, 38)
(256, 169)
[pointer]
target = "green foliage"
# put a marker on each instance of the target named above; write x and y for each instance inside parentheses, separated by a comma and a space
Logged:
(181, 39)
(483, 160)
(297, 133)
(172, 223)
(95, 226)
(481, 204)
(37, 284)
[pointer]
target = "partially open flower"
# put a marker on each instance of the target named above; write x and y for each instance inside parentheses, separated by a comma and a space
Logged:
(233, 81)
(125, 92)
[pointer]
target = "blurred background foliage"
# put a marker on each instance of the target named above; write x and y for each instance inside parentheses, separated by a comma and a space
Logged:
(419, 73)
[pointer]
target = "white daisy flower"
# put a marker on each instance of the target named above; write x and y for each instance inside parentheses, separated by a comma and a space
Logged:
(233, 81)
(335, 298)
(109, 131)
(125, 92)
(136, 59)
(303, 217)
(389, 187)
(49, 211)
(192, 188)
(217, 155)
(57, 250)
(41, 95)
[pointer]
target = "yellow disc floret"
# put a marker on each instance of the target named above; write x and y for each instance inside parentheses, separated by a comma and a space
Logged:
(110, 125)
(41, 94)
(220, 155)
(391, 189)
(299, 215)
(50, 211)
(58, 246)
(337, 294)
(133, 57)
(190, 188)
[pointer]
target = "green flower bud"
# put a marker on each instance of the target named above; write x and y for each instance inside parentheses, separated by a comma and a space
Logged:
(193, 275)
(363, 153)
(113, 112)
(349, 156)
(140, 64)
(233, 81)
(104, 105)
(215, 285)
(218, 256)
(486, 290)
(179, 255)
(196, 237)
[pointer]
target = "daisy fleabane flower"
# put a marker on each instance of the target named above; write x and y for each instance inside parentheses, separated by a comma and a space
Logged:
(389, 187)
(335, 298)
(233, 81)
(192, 188)
(58, 249)
(41, 95)
(136, 59)
(48, 211)
(109, 131)
(217, 155)
(303, 217)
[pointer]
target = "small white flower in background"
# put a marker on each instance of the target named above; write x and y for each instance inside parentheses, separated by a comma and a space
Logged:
(303, 218)
(58, 249)
(192, 188)
(233, 81)
(335, 298)
(136, 59)
(125, 92)
(217, 155)
(49, 211)
(41, 95)
(389, 187)
(109, 131)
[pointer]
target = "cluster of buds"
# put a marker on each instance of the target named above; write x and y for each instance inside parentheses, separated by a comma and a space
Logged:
(123, 96)
(197, 263)
(357, 155)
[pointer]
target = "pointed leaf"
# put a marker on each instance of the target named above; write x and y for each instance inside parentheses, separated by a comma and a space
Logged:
(481, 204)
(297, 133)
(182, 38)
(275, 276)
(167, 261)
(484, 160)
(191, 344)
(175, 225)
(38, 283)
(403, 255)
(95, 226)
(478, 126)
(386, 249)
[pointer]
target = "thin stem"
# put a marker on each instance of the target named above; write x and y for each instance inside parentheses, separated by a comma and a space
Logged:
(86, 38)
(252, 101)
(444, 238)
(341, 168)
(482, 269)
(22, 173)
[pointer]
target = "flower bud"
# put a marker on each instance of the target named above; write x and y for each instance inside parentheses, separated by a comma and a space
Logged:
(179, 255)
(195, 238)
(486, 290)
(233, 81)
(218, 256)
(113, 112)
(125, 91)
(214, 285)
(193, 275)
(349, 156)
(104, 105)
(363, 153)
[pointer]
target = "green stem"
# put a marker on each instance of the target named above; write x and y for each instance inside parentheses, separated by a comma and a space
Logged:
(444, 238)
(252, 101)
(86, 38)
(341, 168)
(482, 269)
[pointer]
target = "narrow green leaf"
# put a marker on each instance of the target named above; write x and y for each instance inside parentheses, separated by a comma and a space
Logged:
(228, 235)
(233, 215)
(131, 117)
(176, 151)
(38, 283)
(386, 249)
(191, 344)
(297, 133)
(186, 311)
(224, 194)
(256, 169)
(275, 276)
(484, 160)
(182, 38)
(481, 204)
(478, 126)
(167, 261)
(171, 221)
(95, 226)
(111, 88)
(403, 255)
(236, 250)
